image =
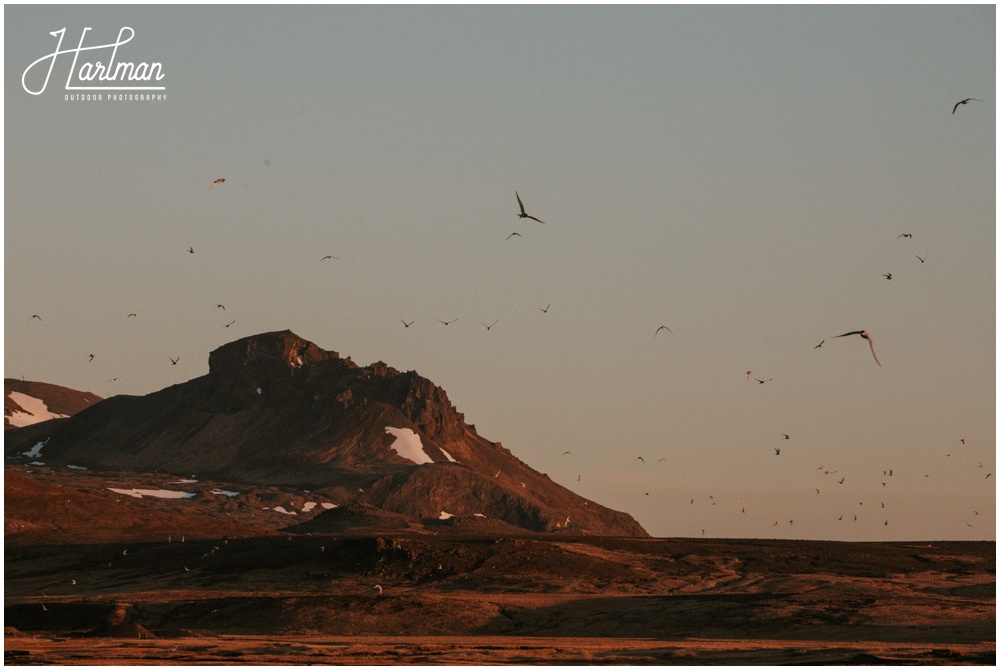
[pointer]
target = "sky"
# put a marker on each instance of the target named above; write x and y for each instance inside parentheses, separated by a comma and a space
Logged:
(740, 174)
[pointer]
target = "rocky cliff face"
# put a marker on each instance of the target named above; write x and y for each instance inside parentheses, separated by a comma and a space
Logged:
(276, 409)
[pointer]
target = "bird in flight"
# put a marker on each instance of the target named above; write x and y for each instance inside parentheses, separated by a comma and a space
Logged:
(819, 345)
(523, 214)
(446, 322)
(640, 458)
(379, 587)
(910, 235)
(842, 480)
(489, 326)
(328, 256)
(763, 381)
(173, 361)
(190, 250)
(222, 306)
(663, 328)
(749, 372)
(864, 334)
(34, 316)
(566, 452)
(546, 310)
(134, 313)
(512, 235)
(407, 325)
(777, 452)
(217, 181)
(91, 358)
(963, 102)
(888, 275)
(921, 259)
(230, 323)
(786, 436)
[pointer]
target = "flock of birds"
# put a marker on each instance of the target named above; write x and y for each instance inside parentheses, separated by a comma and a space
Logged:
(523, 214)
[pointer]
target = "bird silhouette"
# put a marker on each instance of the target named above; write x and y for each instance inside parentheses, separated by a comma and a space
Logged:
(446, 322)
(546, 310)
(819, 345)
(523, 214)
(90, 358)
(786, 436)
(662, 328)
(763, 381)
(34, 316)
(190, 250)
(328, 256)
(407, 325)
(777, 452)
(566, 452)
(910, 235)
(842, 480)
(217, 181)
(229, 324)
(222, 306)
(963, 102)
(640, 458)
(749, 372)
(173, 361)
(512, 235)
(134, 313)
(921, 259)
(864, 334)
(489, 326)
(888, 275)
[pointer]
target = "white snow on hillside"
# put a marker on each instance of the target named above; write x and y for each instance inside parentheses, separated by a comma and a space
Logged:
(223, 492)
(76, 467)
(448, 456)
(445, 515)
(408, 445)
(281, 509)
(153, 493)
(307, 507)
(327, 505)
(36, 450)
(35, 411)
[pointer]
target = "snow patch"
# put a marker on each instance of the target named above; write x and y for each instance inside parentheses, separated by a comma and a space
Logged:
(447, 455)
(76, 467)
(408, 445)
(308, 506)
(281, 509)
(153, 493)
(36, 463)
(36, 450)
(445, 515)
(327, 505)
(35, 411)
(185, 481)
(478, 514)
(222, 492)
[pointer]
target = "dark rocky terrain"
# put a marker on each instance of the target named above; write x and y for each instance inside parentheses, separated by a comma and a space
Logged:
(303, 537)
(276, 410)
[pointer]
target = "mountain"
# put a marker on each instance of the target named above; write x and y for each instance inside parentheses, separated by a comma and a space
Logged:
(27, 402)
(277, 410)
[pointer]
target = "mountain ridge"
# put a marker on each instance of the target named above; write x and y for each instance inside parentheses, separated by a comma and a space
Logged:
(275, 409)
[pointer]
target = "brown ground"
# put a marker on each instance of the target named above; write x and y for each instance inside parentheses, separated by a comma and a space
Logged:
(121, 595)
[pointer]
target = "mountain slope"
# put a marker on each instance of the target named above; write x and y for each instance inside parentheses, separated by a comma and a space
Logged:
(275, 409)
(27, 402)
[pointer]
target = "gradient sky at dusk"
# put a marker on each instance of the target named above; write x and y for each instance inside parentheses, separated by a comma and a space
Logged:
(740, 174)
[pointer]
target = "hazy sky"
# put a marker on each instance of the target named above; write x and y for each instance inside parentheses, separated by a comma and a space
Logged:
(740, 174)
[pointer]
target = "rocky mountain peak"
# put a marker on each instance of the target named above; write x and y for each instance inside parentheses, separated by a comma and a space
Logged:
(279, 350)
